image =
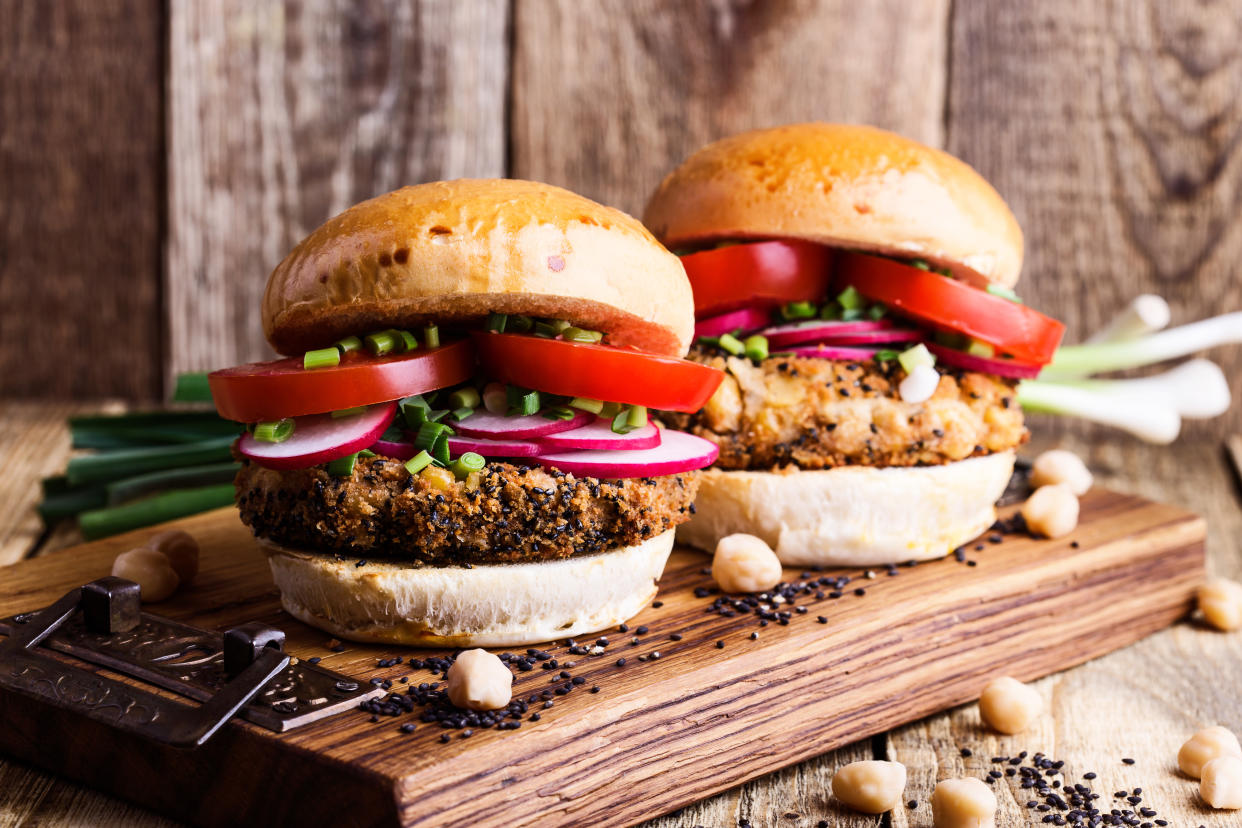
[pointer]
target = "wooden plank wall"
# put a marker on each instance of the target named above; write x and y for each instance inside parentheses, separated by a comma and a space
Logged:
(1111, 127)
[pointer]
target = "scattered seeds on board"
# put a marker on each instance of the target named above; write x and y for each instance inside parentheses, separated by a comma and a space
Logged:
(1009, 706)
(870, 787)
(1220, 601)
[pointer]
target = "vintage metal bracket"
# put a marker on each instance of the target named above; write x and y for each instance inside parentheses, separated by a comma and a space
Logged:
(243, 671)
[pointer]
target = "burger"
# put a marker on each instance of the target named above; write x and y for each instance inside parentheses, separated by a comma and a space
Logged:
(858, 289)
(459, 448)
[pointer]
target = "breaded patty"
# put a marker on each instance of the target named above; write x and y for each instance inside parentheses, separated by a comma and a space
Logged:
(819, 413)
(503, 514)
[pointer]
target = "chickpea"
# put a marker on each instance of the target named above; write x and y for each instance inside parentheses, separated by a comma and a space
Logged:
(181, 550)
(1220, 601)
(1009, 706)
(963, 803)
(744, 563)
(871, 787)
(1061, 466)
(150, 570)
(479, 680)
(1221, 785)
(1206, 745)
(1052, 511)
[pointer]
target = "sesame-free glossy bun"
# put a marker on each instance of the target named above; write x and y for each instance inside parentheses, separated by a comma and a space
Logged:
(457, 250)
(853, 187)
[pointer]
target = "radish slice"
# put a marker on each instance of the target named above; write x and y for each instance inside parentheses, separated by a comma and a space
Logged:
(600, 436)
(498, 427)
(677, 452)
(393, 449)
(748, 319)
(832, 352)
(492, 448)
(319, 438)
(984, 365)
(817, 329)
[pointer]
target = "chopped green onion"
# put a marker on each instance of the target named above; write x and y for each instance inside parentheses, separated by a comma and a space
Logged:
(732, 344)
(1004, 293)
(466, 397)
(321, 358)
(912, 358)
(877, 311)
(367, 453)
(348, 412)
(381, 343)
(521, 402)
(558, 412)
(349, 343)
(414, 410)
(587, 404)
(406, 341)
(756, 347)
(980, 349)
(274, 432)
(558, 325)
(418, 462)
(621, 423)
(468, 462)
(100, 523)
(544, 330)
(572, 334)
(440, 450)
(392, 434)
(520, 324)
(637, 416)
(460, 414)
(611, 409)
(850, 299)
(943, 271)
(429, 433)
(496, 322)
(920, 264)
(830, 311)
(431, 336)
(709, 341)
(343, 466)
(852, 314)
(886, 355)
(192, 387)
(799, 310)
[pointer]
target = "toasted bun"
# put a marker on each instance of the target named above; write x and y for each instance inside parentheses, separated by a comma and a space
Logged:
(853, 515)
(845, 186)
(497, 605)
(456, 250)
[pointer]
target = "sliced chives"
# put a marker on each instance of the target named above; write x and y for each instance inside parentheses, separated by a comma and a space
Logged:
(980, 349)
(276, 431)
(429, 433)
(572, 334)
(519, 324)
(756, 347)
(551, 328)
(830, 311)
(348, 412)
(466, 397)
(611, 409)
(520, 401)
(343, 466)
(414, 411)
(710, 341)
(366, 453)
(496, 322)
(558, 412)
(349, 343)
(621, 423)
(911, 358)
(462, 413)
(732, 344)
(381, 343)
(321, 358)
(886, 355)
(468, 462)
(418, 462)
(637, 416)
(799, 310)
(852, 314)
(1004, 293)
(850, 299)
(587, 404)
(877, 311)
(431, 336)
(440, 449)
(920, 264)
(406, 341)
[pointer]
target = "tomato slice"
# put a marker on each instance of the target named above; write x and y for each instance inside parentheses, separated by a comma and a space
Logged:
(774, 272)
(1022, 332)
(600, 372)
(283, 388)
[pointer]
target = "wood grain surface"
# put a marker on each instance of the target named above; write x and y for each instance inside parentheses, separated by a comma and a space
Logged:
(81, 198)
(909, 646)
(283, 114)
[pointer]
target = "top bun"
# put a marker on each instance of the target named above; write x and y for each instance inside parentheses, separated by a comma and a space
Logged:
(457, 250)
(845, 186)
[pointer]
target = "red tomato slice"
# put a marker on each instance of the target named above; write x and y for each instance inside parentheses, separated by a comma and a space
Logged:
(283, 388)
(600, 372)
(1022, 332)
(774, 272)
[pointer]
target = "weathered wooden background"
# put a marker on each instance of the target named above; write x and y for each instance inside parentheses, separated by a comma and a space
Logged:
(158, 158)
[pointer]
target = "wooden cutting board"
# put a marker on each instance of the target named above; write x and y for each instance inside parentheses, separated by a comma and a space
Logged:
(658, 733)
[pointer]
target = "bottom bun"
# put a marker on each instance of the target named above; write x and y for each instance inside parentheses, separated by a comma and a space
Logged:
(852, 515)
(488, 605)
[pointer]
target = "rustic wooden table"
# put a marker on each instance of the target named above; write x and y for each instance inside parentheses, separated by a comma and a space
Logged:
(1139, 703)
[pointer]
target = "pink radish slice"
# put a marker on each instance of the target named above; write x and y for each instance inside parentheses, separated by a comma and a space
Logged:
(677, 452)
(600, 436)
(393, 449)
(891, 336)
(497, 427)
(492, 448)
(748, 319)
(984, 365)
(319, 438)
(817, 330)
(832, 352)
